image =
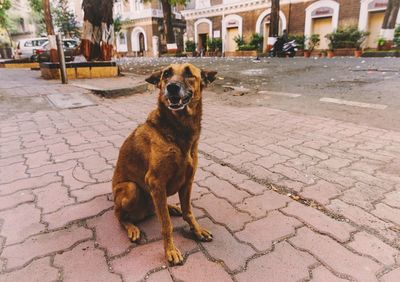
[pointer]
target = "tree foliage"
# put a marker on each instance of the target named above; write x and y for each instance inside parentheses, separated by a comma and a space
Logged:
(38, 14)
(65, 19)
(5, 5)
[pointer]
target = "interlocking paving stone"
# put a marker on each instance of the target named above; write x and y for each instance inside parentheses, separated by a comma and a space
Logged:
(93, 269)
(225, 247)
(198, 268)
(283, 264)
(336, 256)
(322, 274)
(220, 210)
(61, 161)
(44, 244)
(321, 222)
(367, 244)
(140, 260)
(38, 270)
(263, 232)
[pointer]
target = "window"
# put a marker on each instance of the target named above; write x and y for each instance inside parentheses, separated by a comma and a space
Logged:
(138, 5)
(122, 39)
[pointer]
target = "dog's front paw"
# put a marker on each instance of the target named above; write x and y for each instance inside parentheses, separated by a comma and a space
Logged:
(133, 232)
(203, 234)
(174, 256)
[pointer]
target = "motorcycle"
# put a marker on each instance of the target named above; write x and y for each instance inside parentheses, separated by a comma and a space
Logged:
(283, 49)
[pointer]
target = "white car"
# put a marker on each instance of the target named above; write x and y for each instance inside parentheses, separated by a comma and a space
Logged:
(25, 47)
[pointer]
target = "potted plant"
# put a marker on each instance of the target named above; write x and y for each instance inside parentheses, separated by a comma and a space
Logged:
(245, 49)
(190, 47)
(312, 42)
(214, 47)
(332, 38)
(396, 39)
(256, 40)
(359, 39)
(381, 43)
(300, 41)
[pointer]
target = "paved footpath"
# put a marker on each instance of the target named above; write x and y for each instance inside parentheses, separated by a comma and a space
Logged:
(288, 197)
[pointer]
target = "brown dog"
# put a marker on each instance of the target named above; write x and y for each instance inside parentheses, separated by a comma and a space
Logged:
(159, 158)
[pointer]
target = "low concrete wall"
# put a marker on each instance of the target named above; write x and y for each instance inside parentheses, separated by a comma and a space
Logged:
(241, 54)
(12, 64)
(80, 70)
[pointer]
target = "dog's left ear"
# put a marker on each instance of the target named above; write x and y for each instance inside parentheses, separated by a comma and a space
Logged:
(208, 76)
(154, 78)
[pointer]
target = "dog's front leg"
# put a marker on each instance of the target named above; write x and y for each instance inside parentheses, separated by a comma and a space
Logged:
(201, 233)
(159, 196)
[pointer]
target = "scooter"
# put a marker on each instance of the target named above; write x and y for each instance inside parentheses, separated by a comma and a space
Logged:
(283, 49)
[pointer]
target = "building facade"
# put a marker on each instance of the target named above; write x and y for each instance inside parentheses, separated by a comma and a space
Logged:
(22, 23)
(142, 28)
(227, 19)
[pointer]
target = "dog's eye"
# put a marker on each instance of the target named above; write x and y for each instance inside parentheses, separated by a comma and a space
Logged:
(167, 73)
(187, 73)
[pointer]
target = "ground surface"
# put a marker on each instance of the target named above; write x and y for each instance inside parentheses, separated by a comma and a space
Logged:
(367, 80)
(288, 196)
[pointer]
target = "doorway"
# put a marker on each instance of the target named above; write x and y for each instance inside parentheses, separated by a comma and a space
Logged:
(230, 42)
(141, 44)
(375, 21)
(322, 26)
(202, 42)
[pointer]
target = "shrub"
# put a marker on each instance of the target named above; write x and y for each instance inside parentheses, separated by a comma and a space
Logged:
(313, 42)
(347, 37)
(396, 39)
(300, 39)
(190, 46)
(214, 44)
(256, 40)
(255, 43)
(239, 41)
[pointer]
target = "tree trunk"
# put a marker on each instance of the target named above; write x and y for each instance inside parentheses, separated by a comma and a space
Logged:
(107, 30)
(389, 21)
(98, 31)
(274, 23)
(168, 29)
(50, 31)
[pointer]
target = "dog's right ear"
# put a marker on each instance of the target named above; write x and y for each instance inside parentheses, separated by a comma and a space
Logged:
(154, 78)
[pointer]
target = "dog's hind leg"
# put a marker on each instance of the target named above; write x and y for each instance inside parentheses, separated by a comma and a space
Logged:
(174, 210)
(130, 207)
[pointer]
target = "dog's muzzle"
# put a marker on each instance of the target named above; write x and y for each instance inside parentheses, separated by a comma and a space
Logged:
(177, 97)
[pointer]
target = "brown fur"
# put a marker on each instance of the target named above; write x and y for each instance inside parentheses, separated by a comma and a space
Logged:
(159, 159)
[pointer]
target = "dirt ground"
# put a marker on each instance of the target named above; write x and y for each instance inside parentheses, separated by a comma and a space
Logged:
(366, 80)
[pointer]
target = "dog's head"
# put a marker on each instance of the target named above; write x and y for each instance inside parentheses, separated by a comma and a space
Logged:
(181, 85)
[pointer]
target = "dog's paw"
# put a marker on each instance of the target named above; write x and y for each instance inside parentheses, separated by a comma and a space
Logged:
(174, 210)
(133, 233)
(174, 256)
(203, 234)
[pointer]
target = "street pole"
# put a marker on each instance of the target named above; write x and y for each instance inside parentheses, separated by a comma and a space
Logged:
(60, 49)
(50, 30)
(273, 23)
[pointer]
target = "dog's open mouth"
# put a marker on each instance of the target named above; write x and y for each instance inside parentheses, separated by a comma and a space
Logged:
(180, 105)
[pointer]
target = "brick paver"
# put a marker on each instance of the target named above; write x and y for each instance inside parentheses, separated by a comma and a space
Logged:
(288, 197)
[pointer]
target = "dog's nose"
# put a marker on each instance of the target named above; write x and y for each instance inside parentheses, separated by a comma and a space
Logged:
(173, 88)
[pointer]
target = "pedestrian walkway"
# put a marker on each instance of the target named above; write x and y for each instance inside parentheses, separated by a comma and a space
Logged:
(288, 197)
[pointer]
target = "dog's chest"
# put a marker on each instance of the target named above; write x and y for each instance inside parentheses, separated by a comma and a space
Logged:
(182, 173)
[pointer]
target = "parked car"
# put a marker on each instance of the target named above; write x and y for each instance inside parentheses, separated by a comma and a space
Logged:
(42, 53)
(25, 47)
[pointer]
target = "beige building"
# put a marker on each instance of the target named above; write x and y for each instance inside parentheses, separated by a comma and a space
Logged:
(23, 25)
(142, 28)
(226, 19)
